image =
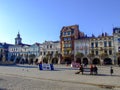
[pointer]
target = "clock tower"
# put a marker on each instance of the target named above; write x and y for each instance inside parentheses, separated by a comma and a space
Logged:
(18, 39)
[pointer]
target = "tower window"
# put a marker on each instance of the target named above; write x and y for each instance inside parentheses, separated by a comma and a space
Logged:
(119, 31)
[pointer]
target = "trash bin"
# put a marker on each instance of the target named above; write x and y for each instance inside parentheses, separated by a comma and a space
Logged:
(40, 67)
(52, 67)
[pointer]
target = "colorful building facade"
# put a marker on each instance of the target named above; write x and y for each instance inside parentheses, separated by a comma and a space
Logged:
(68, 35)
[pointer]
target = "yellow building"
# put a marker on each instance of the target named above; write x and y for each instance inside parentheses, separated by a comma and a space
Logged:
(102, 47)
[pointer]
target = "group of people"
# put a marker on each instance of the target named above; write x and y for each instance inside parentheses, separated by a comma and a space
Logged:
(93, 69)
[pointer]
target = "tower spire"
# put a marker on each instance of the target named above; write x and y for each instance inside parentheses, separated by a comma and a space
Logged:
(18, 39)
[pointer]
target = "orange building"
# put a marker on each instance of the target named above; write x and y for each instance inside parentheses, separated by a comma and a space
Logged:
(67, 36)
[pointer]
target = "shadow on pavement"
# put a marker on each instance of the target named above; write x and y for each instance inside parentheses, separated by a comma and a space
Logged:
(101, 75)
(21, 66)
(3, 89)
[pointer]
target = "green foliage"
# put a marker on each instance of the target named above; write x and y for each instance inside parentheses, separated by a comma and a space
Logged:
(79, 55)
(90, 55)
(31, 56)
(103, 55)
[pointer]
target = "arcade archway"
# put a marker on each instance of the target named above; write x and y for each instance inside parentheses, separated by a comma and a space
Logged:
(118, 61)
(55, 60)
(96, 61)
(107, 61)
(85, 61)
(36, 61)
(17, 60)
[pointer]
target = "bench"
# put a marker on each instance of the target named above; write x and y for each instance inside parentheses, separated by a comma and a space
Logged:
(84, 70)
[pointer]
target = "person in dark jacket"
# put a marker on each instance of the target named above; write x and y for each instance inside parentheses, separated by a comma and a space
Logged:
(111, 71)
(95, 69)
(81, 69)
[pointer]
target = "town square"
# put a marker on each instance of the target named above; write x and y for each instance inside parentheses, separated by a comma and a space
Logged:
(29, 77)
(59, 45)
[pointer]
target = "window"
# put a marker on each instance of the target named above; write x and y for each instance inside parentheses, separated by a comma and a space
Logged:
(50, 46)
(105, 44)
(64, 33)
(110, 52)
(69, 38)
(44, 53)
(105, 51)
(65, 45)
(119, 31)
(92, 45)
(119, 40)
(65, 52)
(47, 46)
(110, 44)
(96, 44)
(96, 52)
(65, 39)
(52, 52)
(69, 45)
(69, 33)
(40, 53)
(118, 49)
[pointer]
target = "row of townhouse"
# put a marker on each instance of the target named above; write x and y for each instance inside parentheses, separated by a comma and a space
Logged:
(23, 52)
(103, 49)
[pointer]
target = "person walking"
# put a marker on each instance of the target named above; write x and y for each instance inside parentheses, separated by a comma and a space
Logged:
(111, 71)
(91, 69)
(81, 69)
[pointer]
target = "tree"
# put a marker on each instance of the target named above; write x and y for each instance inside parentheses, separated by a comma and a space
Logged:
(91, 56)
(45, 60)
(79, 56)
(118, 58)
(118, 54)
(55, 58)
(49, 57)
(103, 55)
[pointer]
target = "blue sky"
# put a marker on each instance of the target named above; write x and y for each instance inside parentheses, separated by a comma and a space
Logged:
(40, 20)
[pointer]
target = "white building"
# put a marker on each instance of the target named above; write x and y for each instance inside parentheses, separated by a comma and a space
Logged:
(51, 47)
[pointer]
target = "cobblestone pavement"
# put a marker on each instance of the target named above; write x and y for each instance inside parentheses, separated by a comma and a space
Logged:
(24, 77)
